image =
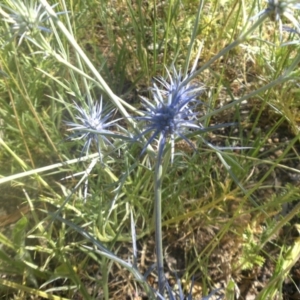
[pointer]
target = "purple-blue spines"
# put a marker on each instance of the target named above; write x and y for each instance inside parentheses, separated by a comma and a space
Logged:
(172, 110)
(92, 126)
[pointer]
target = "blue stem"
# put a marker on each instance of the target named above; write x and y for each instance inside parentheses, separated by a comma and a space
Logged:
(157, 216)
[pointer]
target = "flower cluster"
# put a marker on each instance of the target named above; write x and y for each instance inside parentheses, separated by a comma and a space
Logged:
(169, 115)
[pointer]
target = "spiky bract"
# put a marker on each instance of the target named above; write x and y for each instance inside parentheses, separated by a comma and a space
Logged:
(25, 18)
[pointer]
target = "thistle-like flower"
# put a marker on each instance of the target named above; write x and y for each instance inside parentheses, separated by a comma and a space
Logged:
(172, 111)
(25, 18)
(92, 126)
(277, 9)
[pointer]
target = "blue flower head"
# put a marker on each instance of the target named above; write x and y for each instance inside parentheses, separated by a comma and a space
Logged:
(172, 111)
(25, 17)
(92, 126)
(277, 9)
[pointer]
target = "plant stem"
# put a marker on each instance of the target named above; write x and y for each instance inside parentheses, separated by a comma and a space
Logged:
(157, 216)
(193, 38)
(235, 43)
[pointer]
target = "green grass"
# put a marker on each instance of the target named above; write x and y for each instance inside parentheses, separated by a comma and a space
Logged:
(221, 213)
